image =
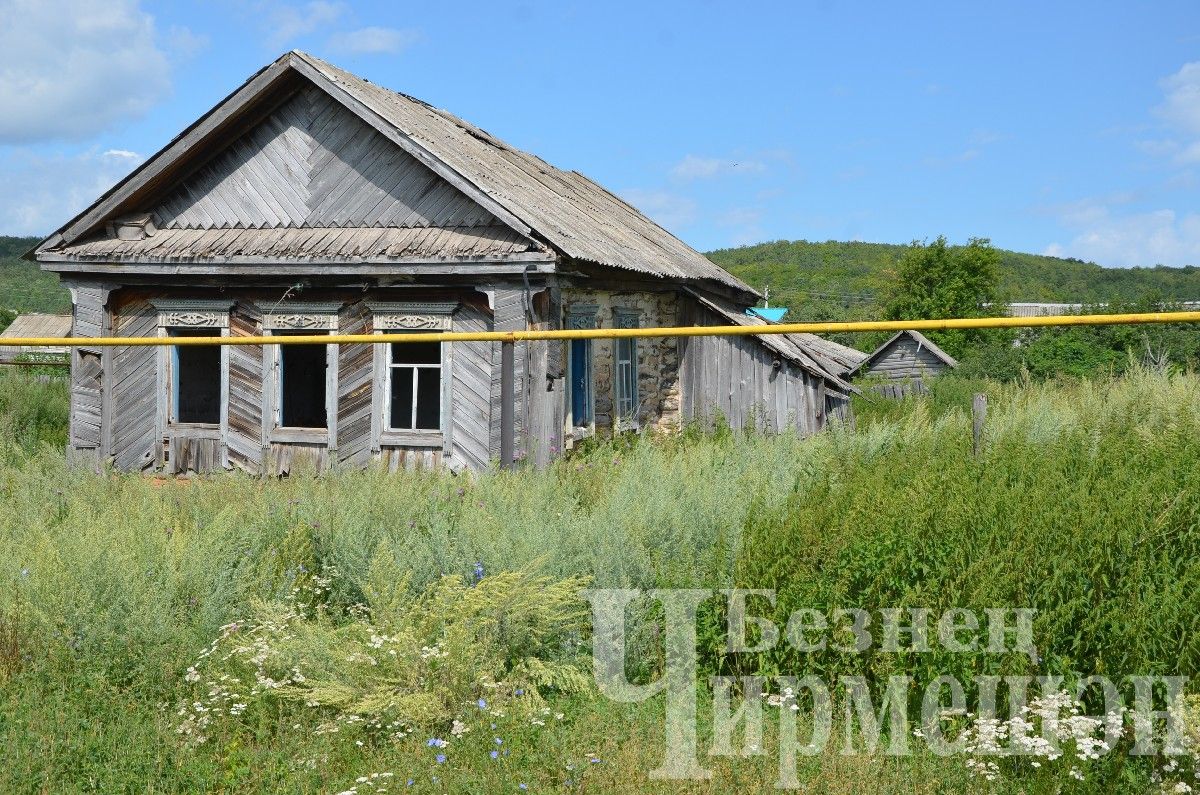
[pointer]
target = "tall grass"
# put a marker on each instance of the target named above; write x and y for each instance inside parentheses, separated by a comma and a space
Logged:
(1085, 505)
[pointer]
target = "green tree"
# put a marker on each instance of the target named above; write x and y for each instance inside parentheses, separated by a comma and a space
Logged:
(936, 281)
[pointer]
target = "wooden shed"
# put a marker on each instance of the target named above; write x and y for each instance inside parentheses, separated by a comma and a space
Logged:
(904, 363)
(34, 324)
(312, 201)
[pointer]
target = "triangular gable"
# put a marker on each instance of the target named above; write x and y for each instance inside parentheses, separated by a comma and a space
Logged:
(312, 163)
(923, 343)
(153, 182)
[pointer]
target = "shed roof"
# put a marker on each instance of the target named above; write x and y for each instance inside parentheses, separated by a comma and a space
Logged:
(570, 213)
(922, 342)
(818, 356)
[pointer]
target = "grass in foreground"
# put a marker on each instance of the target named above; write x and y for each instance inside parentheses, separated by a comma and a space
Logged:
(1085, 503)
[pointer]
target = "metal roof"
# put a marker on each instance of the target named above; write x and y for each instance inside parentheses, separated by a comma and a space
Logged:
(575, 216)
(35, 324)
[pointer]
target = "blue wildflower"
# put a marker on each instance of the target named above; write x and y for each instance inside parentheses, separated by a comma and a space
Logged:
(479, 571)
(498, 741)
(495, 754)
(436, 742)
(520, 692)
(441, 758)
(481, 703)
(522, 786)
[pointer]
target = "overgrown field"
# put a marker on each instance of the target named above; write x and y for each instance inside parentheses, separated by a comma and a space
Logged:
(235, 634)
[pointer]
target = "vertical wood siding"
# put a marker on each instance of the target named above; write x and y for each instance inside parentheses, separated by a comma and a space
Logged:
(134, 398)
(470, 402)
(356, 369)
(735, 378)
(244, 439)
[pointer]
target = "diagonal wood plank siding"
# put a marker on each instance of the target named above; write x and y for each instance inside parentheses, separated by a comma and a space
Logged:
(312, 163)
(244, 438)
(134, 381)
(509, 315)
(471, 406)
(356, 368)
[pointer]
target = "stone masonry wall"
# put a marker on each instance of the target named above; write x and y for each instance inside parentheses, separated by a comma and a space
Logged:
(658, 358)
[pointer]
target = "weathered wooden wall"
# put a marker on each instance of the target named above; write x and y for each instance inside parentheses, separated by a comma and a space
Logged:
(134, 388)
(244, 438)
(314, 164)
(356, 371)
(735, 378)
(905, 358)
(470, 391)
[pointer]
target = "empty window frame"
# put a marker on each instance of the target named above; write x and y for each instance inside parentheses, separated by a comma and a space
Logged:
(580, 368)
(194, 375)
(302, 379)
(302, 387)
(195, 379)
(414, 386)
(625, 365)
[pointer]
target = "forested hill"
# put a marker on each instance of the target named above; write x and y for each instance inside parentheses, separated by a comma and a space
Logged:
(799, 273)
(23, 286)
(853, 274)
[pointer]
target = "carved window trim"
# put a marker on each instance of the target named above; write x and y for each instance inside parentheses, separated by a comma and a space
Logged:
(416, 316)
(189, 313)
(301, 316)
(192, 313)
(320, 318)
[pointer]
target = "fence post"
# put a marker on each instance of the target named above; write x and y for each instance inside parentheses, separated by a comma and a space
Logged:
(507, 365)
(979, 413)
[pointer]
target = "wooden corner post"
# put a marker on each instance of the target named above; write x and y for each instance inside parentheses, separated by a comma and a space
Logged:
(507, 398)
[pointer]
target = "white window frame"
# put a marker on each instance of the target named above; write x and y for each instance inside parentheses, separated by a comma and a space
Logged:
(581, 316)
(624, 317)
(393, 317)
(316, 318)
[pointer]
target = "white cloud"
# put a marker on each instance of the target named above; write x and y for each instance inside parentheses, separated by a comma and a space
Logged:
(1181, 106)
(72, 68)
(696, 167)
(285, 22)
(1180, 110)
(42, 193)
(670, 210)
(1157, 237)
(374, 40)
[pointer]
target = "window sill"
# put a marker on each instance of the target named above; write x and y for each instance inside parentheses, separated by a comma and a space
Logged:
(300, 435)
(196, 430)
(411, 439)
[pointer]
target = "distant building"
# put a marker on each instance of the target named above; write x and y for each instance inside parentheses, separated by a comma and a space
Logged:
(906, 361)
(34, 324)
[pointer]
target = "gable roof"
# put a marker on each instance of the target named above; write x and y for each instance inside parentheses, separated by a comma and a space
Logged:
(543, 207)
(922, 342)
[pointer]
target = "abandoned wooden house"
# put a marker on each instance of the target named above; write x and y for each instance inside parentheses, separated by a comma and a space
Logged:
(903, 364)
(312, 201)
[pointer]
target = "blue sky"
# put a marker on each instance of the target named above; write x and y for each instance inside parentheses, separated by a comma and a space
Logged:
(1069, 128)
